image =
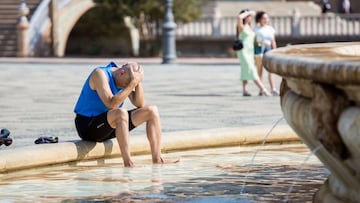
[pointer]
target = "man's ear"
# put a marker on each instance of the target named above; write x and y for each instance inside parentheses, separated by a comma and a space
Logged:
(122, 71)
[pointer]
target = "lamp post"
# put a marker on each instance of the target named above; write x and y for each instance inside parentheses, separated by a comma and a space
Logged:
(169, 38)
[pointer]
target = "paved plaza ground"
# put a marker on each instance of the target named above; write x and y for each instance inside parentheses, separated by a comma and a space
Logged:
(38, 96)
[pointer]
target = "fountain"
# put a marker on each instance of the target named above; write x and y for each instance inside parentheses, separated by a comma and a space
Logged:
(320, 99)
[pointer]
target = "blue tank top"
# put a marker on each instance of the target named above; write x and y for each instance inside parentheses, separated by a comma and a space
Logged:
(89, 103)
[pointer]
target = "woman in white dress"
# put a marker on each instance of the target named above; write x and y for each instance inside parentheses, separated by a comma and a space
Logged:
(264, 42)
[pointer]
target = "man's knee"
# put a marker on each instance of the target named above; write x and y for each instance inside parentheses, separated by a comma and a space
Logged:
(117, 116)
(121, 115)
(153, 110)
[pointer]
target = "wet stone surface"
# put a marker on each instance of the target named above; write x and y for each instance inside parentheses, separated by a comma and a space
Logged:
(211, 175)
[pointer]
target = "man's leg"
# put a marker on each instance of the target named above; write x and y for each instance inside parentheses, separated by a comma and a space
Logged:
(119, 119)
(150, 115)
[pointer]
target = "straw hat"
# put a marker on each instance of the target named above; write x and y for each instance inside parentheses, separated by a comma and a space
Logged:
(247, 12)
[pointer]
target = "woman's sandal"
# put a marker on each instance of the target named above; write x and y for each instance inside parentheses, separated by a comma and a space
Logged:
(275, 93)
(264, 92)
(246, 94)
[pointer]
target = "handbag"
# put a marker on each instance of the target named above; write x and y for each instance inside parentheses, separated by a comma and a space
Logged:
(237, 45)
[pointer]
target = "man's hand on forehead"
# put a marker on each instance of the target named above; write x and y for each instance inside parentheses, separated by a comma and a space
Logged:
(135, 67)
(135, 71)
(139, 69)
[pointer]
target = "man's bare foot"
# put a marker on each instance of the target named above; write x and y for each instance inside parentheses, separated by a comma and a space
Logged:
(168, 161)
(129, 164)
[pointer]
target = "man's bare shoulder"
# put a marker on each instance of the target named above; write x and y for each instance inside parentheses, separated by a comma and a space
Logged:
(97, 77)
(98, 73)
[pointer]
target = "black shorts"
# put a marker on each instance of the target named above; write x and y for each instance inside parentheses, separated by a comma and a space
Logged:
(97, 129)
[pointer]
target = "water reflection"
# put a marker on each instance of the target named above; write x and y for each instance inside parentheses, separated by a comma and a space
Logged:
(211, 175)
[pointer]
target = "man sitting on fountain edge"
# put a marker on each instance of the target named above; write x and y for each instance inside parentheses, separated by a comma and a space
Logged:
(100, 114)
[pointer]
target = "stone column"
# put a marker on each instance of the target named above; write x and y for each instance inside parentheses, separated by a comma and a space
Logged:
(216, 22)
(295, 26)
(23, 31)
(169, 35)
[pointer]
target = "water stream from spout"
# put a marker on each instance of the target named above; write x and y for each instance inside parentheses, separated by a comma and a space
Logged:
(313, 152)
(256, 152)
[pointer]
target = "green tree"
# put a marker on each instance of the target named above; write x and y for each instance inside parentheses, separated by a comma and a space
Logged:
(105, 23)
(184, 10)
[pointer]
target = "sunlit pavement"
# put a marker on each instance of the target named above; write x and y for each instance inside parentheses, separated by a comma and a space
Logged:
(38, 95)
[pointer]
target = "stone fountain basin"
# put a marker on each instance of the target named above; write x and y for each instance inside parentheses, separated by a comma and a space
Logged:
(320, 99)
(334, 63)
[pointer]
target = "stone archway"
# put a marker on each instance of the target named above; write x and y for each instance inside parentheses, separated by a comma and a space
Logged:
(99, 33)
(66, 20)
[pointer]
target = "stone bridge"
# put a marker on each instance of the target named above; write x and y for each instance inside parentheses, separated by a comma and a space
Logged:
(63, 14)
(51, 22)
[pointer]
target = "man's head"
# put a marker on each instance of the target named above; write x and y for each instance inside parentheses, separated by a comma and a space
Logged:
(124, 77)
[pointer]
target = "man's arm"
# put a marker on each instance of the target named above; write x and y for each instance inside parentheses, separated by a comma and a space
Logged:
(137, 96)
(99, 83)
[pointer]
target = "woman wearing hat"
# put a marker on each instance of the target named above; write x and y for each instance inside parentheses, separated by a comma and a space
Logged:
(246, 54)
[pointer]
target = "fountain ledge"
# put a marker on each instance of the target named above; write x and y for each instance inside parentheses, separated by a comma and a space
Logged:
(60, 153)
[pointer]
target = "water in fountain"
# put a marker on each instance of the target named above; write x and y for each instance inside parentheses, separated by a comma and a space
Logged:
(313, 152)
(256, 152)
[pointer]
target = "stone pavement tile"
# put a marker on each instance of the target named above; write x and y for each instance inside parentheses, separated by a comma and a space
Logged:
(38, 98)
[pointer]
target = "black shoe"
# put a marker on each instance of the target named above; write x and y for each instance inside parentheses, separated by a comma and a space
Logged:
(246, 94)
(45, 140)
(4, 137)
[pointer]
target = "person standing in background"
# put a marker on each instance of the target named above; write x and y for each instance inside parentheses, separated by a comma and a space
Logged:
(246, 54)
(326, 6)
(346, 6)
(264, 42)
